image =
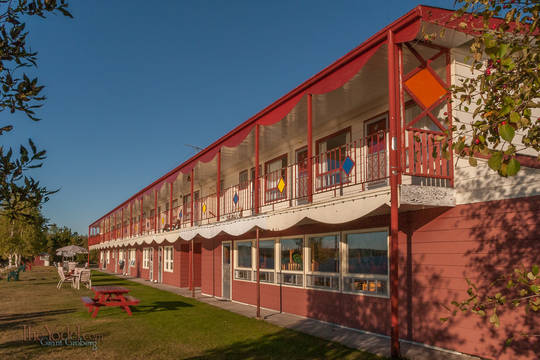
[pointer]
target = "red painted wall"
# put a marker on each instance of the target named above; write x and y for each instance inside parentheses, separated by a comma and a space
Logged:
(211, 275)
(439, 247)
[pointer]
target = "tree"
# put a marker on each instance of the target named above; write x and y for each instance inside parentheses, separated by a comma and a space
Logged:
(21, 237)
(19, 93)
(505, 92)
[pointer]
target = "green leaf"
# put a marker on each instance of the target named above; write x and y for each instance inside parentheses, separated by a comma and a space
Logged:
(494, 319)
(495, 161)
(535, 269)
(472, 161)
(513, 167)
(514, 117)
(535, 289)
(507, 132)
(503, 49)
(444, 319)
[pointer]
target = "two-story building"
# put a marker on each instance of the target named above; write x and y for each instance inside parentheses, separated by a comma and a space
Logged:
(341, 201)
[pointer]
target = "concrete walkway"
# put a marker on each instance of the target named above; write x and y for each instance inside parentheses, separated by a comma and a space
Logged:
(356, 339)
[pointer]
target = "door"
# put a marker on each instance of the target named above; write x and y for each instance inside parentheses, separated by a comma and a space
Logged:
(116, 261)
(151, 264)
(302, 176)
(160, 264)
(376, 146)
(226, 271)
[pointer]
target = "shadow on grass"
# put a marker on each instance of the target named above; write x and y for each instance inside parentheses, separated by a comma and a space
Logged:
(34, 314)
(285, 344)
(159, 306)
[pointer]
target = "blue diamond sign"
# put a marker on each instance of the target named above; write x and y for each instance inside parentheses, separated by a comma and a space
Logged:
(235, 198)
(180, 214)
(348, 165)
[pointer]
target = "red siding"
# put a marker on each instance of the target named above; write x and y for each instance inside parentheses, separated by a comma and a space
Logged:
(439, 247)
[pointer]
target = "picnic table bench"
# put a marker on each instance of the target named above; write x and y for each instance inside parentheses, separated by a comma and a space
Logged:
(109, 296)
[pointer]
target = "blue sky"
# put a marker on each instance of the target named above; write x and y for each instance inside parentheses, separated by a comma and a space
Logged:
(130, 82)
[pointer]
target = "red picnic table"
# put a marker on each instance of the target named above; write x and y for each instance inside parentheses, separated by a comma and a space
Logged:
(109, 296)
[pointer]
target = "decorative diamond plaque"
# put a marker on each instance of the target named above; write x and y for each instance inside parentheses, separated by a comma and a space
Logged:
(180, 214)
(281, 185)
(425, 87)
(235, 198)
(348, 165)
(204, 208)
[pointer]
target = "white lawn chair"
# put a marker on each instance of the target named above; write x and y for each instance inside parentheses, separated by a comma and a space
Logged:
(64, 278)
(84, 277)
(71, 266)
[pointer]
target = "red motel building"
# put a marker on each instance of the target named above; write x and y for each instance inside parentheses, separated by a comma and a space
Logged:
(338, 202)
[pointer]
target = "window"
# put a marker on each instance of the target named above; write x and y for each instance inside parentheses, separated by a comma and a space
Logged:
(132, 256)
(243, 258)
(101, 257)
(324, 262)
(367, 262)
(243, 179)
(169, 256)
(108, 256)
(275, 179)
(331, 152)
(266, 261)
(292, 254)
(266, 254)
(324, 251)
(146, 258)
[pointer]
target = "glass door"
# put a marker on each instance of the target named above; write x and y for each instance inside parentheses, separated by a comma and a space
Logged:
(226, 271)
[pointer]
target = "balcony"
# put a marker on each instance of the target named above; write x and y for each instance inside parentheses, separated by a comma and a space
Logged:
(351, 170)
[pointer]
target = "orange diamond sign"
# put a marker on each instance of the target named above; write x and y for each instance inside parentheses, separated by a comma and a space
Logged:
(425, 87)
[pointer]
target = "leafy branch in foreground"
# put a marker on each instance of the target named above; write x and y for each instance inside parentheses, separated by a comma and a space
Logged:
(20, 93)
(511, 291)
(503, 91)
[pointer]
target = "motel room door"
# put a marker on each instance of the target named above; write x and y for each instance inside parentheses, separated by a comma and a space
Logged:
(226, 271)
(160, 264)
(302, 176)
(151, 263)
(375, 136)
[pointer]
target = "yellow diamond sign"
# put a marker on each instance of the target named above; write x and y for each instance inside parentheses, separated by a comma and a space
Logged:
(204, 208)
(281, 185)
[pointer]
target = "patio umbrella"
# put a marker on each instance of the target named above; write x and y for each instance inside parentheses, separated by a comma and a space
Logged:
(71, 250)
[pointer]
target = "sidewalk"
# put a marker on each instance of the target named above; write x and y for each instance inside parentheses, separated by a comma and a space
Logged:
(373, 343)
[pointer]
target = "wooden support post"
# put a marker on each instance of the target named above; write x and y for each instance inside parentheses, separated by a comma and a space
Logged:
(394, 173)
(218, 185)
(170, 206)
(258, 276)
(155, 212)
(310, 147)
(256, 180)
(191, 216)
(142, 214)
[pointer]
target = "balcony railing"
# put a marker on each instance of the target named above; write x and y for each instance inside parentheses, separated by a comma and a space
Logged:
(357, 166)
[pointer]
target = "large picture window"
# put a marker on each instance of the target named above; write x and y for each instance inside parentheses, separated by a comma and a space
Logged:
(244, 254)
(266, 254)
(292, 254)
(324, 251)
(367, 262)
(324, 261)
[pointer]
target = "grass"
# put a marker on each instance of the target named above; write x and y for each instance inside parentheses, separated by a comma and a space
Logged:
(163, 326)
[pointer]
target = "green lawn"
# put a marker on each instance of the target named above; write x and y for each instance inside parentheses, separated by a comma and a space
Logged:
(163, 326)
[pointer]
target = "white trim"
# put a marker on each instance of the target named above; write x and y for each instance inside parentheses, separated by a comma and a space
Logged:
(231, 249)
(168, 264)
